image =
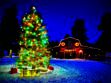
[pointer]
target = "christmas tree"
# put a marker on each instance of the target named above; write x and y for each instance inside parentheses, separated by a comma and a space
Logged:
(33, 55)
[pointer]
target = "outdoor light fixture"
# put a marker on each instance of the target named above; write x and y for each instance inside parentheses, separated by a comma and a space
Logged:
(80, 51)
(77, 44)
(62, 43)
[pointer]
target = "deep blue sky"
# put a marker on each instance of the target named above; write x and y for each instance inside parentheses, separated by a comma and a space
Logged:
(59, 15)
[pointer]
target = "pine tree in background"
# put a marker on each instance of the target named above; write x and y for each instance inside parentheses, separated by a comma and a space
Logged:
(79, 31)
(34, 55)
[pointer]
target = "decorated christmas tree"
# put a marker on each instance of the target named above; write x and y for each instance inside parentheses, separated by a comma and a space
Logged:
(33, 55)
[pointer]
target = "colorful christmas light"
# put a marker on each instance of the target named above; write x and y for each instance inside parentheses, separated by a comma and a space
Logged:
(33, 55)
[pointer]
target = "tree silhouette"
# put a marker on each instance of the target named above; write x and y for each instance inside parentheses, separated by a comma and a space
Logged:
(53, 45)
(78, 31)
(9, 30)
(104, 41)
(66, 36)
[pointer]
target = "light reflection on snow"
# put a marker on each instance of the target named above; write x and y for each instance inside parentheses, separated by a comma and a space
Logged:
(68, 71)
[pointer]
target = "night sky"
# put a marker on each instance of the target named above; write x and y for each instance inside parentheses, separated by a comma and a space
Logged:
(59, 15)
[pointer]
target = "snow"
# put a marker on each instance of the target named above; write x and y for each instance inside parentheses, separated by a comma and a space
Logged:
(65, 71)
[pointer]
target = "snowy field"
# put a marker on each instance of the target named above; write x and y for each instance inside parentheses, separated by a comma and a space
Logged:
(65, 71)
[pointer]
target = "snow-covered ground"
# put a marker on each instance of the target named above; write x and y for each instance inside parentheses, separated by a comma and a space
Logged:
(65, 71)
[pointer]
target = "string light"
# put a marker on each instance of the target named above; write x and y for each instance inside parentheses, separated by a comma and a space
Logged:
(33, 52)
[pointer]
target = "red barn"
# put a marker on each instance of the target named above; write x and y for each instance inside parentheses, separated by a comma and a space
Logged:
(72, 48)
